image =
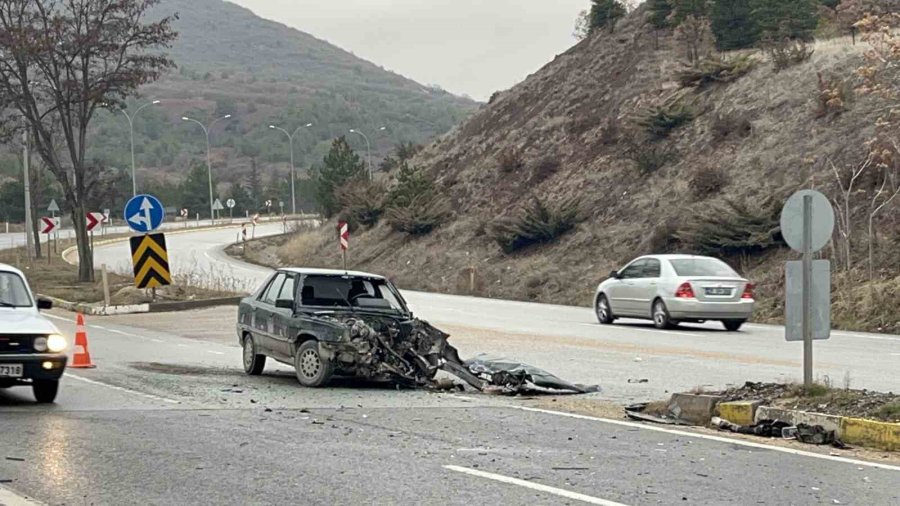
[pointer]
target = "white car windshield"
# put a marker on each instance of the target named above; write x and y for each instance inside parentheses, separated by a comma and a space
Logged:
(13, 292)
(689, 267)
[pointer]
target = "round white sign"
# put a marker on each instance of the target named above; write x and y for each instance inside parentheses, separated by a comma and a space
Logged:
(822, 220)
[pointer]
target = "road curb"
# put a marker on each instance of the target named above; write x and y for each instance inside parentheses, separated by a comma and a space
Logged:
(150, 307)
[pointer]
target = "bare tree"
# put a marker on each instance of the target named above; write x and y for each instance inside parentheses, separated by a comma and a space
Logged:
(846, 183)
(880, 200)
(61, 60)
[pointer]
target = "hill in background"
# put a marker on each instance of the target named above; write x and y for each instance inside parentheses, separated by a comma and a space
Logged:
(651, 165)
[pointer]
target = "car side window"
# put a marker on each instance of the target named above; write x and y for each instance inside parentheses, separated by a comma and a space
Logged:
(272, 293)
(635, 270)
(287, 289)
(652, 269)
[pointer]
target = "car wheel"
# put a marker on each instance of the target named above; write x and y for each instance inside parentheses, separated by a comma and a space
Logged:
(603, 311)
(312, 370)
(45, 390)
(661, 318)
(733, 325)
(253, 362)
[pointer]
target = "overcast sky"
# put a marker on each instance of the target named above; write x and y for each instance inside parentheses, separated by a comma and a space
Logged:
(472, 47)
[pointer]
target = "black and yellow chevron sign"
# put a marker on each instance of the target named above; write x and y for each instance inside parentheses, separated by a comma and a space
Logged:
(151, 261)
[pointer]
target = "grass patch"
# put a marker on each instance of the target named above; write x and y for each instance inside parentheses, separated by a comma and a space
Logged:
(889, 411)
(539, 223)
(660, 122)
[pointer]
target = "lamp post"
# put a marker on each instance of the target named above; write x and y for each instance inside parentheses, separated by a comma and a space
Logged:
(368, 149)
(131, 129)
(206, 129)
(291, 141)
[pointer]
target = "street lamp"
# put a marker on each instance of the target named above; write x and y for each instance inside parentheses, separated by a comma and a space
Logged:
(291, 141)
(368, 149)
(131, 129)
(206, 129)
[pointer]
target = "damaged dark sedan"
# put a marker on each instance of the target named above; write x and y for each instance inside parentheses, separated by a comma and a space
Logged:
(336, 323)
(328, 323)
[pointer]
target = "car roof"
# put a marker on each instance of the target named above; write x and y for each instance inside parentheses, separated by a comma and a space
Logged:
(10, 268)
(676, 257)
(329, 272)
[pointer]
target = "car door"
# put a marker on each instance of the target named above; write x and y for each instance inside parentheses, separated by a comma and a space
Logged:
(622, 292)
(264, 312)
(282, 317)
(646, 286)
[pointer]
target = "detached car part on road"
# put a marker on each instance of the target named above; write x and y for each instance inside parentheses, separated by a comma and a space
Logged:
(336, 323)
(32, 351)
(670, 289)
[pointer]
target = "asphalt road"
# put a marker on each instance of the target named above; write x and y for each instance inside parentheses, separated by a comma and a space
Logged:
(168, 417)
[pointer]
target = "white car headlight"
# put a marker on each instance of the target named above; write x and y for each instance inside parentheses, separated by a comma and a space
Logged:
(40, 344)
(56, 343)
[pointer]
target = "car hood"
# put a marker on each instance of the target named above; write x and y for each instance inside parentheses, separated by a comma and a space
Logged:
(24, 321)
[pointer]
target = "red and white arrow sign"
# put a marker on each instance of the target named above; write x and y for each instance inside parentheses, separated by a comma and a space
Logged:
(344, 231)
(93, 220)
(49, 224)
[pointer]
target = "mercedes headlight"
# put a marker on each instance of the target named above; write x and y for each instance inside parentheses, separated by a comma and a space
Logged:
(56, 343)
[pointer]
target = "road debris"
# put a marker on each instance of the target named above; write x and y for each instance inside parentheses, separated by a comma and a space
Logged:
(810, 434)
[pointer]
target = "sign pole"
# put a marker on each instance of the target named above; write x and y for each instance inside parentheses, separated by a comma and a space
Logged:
(344, 256)
(807, 289)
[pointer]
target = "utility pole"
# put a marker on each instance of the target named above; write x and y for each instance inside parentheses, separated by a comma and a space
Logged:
(29, 242)
(368, 149)
(206, 129)
(290, 137)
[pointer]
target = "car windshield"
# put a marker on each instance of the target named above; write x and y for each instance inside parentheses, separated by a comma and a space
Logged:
(13, 292)
(688, 267)
(339, 291)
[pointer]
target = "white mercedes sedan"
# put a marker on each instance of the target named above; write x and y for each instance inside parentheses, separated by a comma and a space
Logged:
(671, 289)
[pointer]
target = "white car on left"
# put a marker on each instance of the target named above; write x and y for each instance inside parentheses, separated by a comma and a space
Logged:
(32, 350)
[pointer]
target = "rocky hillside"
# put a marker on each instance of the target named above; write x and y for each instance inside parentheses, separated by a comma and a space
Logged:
(579, 130)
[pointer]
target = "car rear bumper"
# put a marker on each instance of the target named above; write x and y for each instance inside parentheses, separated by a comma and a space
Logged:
(684, 309)
(33, 366)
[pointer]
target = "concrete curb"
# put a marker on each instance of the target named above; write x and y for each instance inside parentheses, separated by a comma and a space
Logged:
(853, 431)
(152, 307)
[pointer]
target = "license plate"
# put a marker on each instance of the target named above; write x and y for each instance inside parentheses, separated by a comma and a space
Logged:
(718, 291)
(11, 370)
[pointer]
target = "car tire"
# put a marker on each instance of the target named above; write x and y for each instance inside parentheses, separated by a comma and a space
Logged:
(733, 325)
(312, 370)
(45, 390)
(603, 310)
(253, 361)
(661, 319)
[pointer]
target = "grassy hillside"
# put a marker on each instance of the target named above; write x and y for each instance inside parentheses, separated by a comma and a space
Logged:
(709, 177)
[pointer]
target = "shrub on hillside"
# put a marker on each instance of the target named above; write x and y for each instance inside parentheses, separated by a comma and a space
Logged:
(733, 227)
(707, 181)
(414, 205)
(544, 167)
(649, 158)
(716, 70)
(730, 125)
(833, 96)
(659, 122)
(361, 201)
(424, 214)
(538, 223)
(509, 160)
(788, 53)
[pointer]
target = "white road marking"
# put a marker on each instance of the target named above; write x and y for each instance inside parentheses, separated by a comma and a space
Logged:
(182, 345)
(121, 389)
(114, 331)
(534, 486)
(60, 318)
(215, 352)
(97, 327)
(10, 498)
(719, 439)
(157, 340)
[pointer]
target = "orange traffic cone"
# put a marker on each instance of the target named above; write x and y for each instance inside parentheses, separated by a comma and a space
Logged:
(82, 358)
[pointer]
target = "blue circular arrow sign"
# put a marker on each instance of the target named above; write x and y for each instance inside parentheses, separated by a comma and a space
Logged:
(144, 213)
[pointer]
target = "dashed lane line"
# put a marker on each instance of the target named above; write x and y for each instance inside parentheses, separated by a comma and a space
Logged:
(121, 389)
(559, 492)
(647, 330)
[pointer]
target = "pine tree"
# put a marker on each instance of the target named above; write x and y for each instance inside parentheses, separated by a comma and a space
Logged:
(733, 24)
(340, 165)
(660, 10)
(605, 14)
(786, 19)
